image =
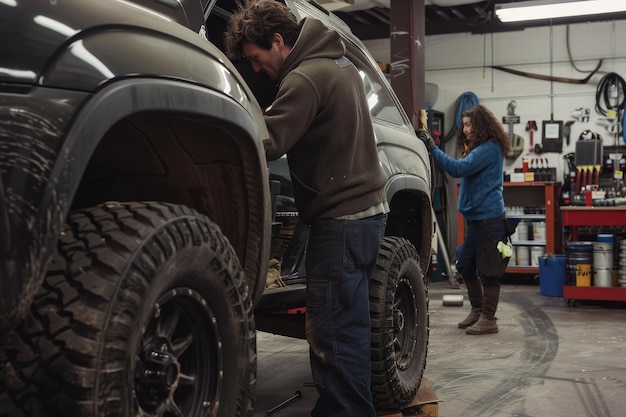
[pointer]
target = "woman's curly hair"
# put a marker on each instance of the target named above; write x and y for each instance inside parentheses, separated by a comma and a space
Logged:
(257, 21)
(485, 126)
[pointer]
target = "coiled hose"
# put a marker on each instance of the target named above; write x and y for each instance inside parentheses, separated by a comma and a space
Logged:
(464, 102)
(610, 94)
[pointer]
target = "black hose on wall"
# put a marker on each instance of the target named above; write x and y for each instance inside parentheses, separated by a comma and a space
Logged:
(610, 94)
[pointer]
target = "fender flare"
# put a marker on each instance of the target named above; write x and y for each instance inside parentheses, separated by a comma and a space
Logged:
(415, 184)
(404, 182)
(110, 105)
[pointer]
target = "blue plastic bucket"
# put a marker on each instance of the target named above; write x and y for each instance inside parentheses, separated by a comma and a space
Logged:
(552, 275)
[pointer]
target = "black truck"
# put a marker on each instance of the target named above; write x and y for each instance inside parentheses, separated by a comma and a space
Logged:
(138, 215)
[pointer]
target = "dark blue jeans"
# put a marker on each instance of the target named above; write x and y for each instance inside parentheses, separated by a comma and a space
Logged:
(472, 261)
(341, 256)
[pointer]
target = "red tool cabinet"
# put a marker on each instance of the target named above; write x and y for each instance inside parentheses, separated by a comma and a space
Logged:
(576, 216)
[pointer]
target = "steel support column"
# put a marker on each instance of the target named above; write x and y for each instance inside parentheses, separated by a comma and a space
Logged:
(407, 44)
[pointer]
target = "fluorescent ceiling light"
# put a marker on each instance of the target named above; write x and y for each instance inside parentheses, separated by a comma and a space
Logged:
(548, 9)
(332, 5)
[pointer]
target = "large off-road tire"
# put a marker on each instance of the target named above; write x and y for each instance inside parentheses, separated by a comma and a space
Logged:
(8, 407)
(144, 312)
(399, 312)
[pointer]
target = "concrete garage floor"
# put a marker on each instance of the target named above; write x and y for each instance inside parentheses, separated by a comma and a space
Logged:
(548, 359)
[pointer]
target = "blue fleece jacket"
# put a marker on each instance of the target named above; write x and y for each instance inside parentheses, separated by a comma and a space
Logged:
(481, 180)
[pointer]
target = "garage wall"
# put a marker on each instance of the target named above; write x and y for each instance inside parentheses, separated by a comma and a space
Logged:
(461, 62)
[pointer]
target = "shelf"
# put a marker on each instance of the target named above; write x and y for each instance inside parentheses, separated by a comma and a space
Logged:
(594, 293)
(592, 216)
(525, 270)
(529, 243)
(527, 216)
(532, 184)
(576, 216)
(531, 194)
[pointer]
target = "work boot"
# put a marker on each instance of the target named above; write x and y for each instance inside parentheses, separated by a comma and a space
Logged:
(487, 321)
(475, 295)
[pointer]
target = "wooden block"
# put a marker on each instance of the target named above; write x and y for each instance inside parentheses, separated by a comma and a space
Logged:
(424, 410)
(430, 410)
(425, 394)
(424, 404)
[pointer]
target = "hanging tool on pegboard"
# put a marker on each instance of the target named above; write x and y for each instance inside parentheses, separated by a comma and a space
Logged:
(531, 127)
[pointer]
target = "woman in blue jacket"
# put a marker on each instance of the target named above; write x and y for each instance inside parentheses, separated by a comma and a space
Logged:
(483, 143)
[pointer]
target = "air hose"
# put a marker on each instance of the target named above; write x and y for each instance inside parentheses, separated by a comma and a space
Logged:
(610, 97)
(464, 102)
(610, 94)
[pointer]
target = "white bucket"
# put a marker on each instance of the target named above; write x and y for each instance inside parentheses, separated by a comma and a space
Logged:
(536, 252)
(521, 232)
(602, 255)
(602, 278)
(539, 231)
(521, 256)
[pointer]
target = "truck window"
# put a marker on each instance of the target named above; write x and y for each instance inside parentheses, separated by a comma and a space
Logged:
(381, 103)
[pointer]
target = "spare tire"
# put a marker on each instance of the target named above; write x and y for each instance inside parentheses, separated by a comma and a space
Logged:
(399, 314)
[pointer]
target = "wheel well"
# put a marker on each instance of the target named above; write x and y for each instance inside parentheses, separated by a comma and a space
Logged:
(410, 217)
(208, 164)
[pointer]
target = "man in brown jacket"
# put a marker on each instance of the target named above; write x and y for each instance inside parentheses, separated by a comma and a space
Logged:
(320, 119)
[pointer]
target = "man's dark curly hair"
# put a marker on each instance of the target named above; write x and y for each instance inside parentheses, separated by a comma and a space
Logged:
(485, 126)
(257, 21)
